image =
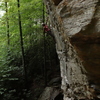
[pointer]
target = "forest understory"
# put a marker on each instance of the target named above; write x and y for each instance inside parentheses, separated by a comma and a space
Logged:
(37, 65)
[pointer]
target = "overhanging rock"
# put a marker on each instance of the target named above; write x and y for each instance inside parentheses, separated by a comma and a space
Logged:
(76, 27)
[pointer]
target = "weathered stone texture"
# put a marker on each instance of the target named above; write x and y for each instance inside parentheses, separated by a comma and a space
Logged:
(76, 15)
(76, 24)
(49, 93)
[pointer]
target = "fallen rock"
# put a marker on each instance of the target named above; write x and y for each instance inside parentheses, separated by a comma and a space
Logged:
(55, 81)
(49, 93)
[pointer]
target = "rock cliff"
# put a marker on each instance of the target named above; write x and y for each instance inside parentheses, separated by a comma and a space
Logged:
(76, 27)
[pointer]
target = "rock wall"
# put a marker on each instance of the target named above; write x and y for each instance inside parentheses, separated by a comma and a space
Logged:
(75, 24)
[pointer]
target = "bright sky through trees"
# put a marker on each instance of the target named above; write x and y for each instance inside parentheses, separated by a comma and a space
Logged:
(1, 11)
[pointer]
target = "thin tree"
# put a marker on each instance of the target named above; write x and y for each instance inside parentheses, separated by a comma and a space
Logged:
(21, 42)
(45, 69)
(7, 24)
(7, 33)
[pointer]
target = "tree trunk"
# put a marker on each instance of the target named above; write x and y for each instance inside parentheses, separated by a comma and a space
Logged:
(7, 24)
(8, 35)
(44, 49)
(21, 43)
(74, 19)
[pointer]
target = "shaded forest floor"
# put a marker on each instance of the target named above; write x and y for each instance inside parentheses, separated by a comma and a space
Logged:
(40, 70)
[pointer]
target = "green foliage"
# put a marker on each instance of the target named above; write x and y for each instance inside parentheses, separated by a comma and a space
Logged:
(12, 79)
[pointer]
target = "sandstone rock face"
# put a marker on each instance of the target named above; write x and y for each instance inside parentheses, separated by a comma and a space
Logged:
(76, 27)
(49, 93)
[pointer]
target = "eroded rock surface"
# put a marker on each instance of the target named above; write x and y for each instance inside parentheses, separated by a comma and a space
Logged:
(49, 93)
(76, 27)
